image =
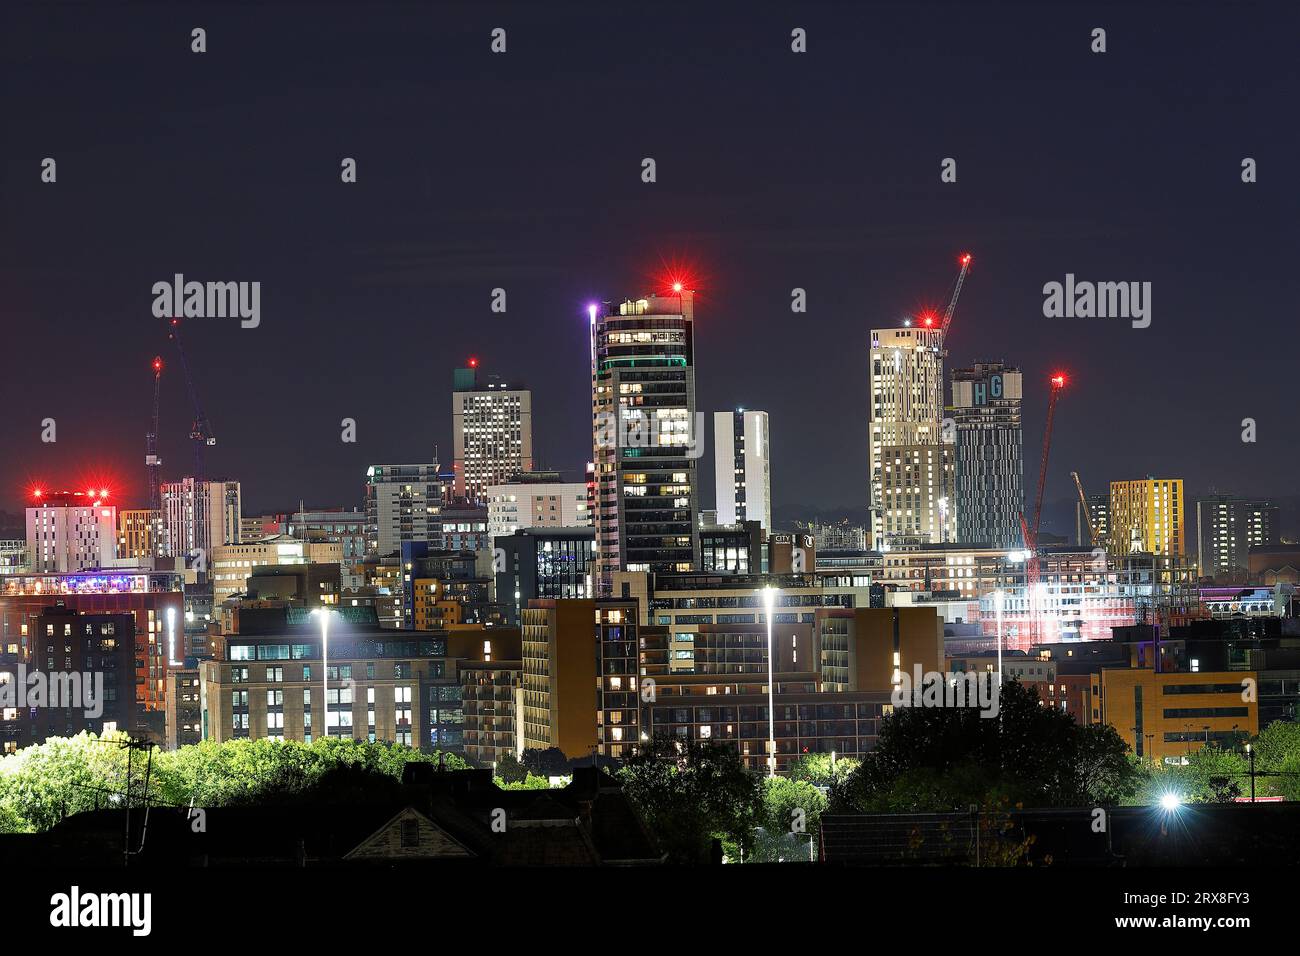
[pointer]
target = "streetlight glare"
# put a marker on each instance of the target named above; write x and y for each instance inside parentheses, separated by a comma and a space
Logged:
(769, 601)
(1170, 802)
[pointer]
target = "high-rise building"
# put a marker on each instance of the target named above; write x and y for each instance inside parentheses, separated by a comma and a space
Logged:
(1227, 528)
(1096, 519)
(71, 531)
(986, 400)
(199, 515)
(645, 434)
(139, 532)
(543, 563)
(492, 427)
(912, 468)
(272, 681)
(917, 492)
(233, 564)
(742, 473)
(153, 599)
(403, 503)
(1146, 516)
(87, 662)
(524, 502)
(580, 676)
(348, 528)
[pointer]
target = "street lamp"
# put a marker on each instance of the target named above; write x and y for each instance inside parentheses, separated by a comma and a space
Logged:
(999, 598)
(1250, 752)
(323, 615)
(171, 638)
(769, 601)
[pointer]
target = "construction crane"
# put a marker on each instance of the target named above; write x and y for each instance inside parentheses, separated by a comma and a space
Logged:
(1093, 536)
(151, 460)
(200, 430)
(1030, 534)
(929, 320)
(965, 261)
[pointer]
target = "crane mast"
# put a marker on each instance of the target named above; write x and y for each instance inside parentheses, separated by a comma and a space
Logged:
(948, 313)
(1087, 515)
(200, 430)
(151, 460)
(1033, 569)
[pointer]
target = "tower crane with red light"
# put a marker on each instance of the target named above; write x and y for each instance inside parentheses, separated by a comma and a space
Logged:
(152, 463)
(964, 260)
(200, 430)
(1033, 569)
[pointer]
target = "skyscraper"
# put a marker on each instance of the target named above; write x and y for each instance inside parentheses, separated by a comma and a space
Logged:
(492, 428)
(645, 434)
(986, 400)
(1146, 516)
(199, 515)
(537, 500)
(403, 503)
(742, 471)
(71, 531)
(1227, 528)
(912, 488)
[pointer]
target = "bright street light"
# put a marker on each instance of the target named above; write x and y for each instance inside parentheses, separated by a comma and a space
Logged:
(769, 602)
(323, 614)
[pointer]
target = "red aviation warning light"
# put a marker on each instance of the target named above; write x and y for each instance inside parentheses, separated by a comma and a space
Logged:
(677, 287)
(965, 259)
(1058, 380)
(473, 362)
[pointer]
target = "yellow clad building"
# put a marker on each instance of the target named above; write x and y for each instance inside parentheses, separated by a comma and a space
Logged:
(1147, 516)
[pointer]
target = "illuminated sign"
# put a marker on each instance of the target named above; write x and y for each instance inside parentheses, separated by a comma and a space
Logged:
(989, 389)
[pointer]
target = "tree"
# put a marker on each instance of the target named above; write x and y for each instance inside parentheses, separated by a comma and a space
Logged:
(790, 820)
(65, 775)
(816, 769)
(41, 784)
(530, 781)
(1277, 743)
(550, 762)
(510, 770)
(691, 793)
(950, 758)
(1210, 775)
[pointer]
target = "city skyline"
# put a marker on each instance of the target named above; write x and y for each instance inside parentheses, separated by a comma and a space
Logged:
(761, 441)
(872, 239)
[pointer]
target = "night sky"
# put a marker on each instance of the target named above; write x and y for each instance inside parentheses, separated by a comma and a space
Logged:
(522, 171)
